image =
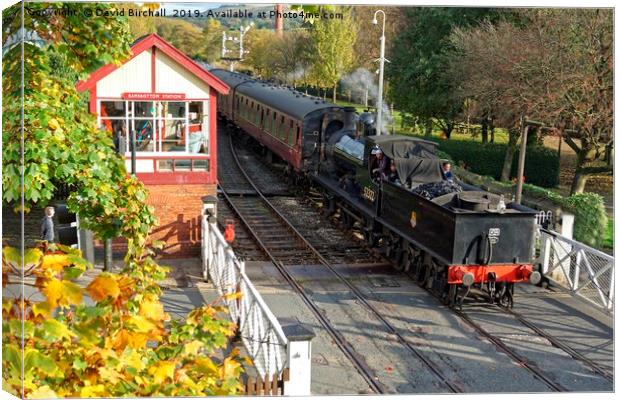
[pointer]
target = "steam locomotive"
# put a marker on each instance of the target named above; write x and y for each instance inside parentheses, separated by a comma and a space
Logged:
(450, 235)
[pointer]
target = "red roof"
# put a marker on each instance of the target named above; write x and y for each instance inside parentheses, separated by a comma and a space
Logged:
(146, 43)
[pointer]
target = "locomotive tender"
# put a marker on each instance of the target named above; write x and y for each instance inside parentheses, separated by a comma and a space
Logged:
(454, 240)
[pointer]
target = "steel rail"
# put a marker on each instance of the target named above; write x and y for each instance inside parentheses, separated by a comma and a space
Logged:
(358, 294)
(522, 361)
(340, 341)
(558, 343)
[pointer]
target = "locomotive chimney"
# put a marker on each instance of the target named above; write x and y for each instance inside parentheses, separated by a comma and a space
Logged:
(350, 118)
(279, 21)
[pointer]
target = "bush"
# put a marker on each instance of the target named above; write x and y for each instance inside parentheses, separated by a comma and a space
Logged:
(121, 343)
(542, 165)
(590, 218)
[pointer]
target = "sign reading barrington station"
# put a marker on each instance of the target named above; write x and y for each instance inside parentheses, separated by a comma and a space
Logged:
(153, 96)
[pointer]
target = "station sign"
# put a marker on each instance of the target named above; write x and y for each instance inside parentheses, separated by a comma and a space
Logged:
(153, 96)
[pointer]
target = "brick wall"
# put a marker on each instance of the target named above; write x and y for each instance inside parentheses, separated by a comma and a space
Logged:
(178, 209)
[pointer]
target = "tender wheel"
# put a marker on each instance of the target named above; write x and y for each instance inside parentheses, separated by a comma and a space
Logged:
(394, 251)
(450, 298)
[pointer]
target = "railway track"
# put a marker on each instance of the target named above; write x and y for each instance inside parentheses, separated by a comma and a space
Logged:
(267, 225)
(273, 240)
(512, 354)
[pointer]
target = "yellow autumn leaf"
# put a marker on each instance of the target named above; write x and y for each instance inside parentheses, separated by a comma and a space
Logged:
(55, 262)
(206, 366)
(124, 338)
(53, 124)
(42, 308)
(110, 375)
(192, 348)
(153, 310)
(133, 359)
(103, 286)
(233, 296)
(57, 330)
(7, 304)
(62, 293)
(162, 370)
(92, 391)
(43, 392)
(229, 368)
(138, 323)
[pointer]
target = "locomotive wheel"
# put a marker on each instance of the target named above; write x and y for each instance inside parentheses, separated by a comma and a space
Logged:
(347, 220)
(329, 205)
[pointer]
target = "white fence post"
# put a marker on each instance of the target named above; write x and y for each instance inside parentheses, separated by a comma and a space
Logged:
(299, 355)
(209, 210)
(563, 251)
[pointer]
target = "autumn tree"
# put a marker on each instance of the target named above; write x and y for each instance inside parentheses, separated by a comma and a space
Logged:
(291, 56)
(576, 82)
(556, 66)
(367, 40)
(492, 86)
(183, 35)
(333, 43)
(140, 26)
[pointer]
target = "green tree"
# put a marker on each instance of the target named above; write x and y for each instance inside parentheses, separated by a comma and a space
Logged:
(260, 46)
(419, 60)
(333, 43)
(183, 35)
(212, 40)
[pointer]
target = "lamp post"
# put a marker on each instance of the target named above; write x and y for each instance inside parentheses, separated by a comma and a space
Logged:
(381, 63)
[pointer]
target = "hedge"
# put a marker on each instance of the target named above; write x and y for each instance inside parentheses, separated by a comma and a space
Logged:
(542, 165)
(590, 218)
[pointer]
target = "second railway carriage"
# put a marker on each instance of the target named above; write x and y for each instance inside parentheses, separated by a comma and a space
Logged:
(284, 120)
(461, 237)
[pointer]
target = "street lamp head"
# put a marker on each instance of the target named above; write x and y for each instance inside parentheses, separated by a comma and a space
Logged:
(374, 21)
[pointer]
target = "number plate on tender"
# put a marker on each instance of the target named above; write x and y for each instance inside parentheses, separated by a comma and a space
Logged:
(494, 235)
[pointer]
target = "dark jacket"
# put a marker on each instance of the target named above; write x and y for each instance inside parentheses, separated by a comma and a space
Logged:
(47, 229)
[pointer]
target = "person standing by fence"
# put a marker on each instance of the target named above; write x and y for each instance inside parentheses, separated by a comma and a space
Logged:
(47, 225)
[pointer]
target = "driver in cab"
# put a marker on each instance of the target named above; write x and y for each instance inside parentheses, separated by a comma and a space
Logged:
(380, 172)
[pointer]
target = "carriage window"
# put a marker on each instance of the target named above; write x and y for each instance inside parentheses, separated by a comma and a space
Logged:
(291, 135)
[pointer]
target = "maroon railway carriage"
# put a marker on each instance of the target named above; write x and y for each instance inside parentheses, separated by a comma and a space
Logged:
(284, 120)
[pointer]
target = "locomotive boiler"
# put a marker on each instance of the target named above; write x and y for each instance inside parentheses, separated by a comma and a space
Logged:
(450, 235)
